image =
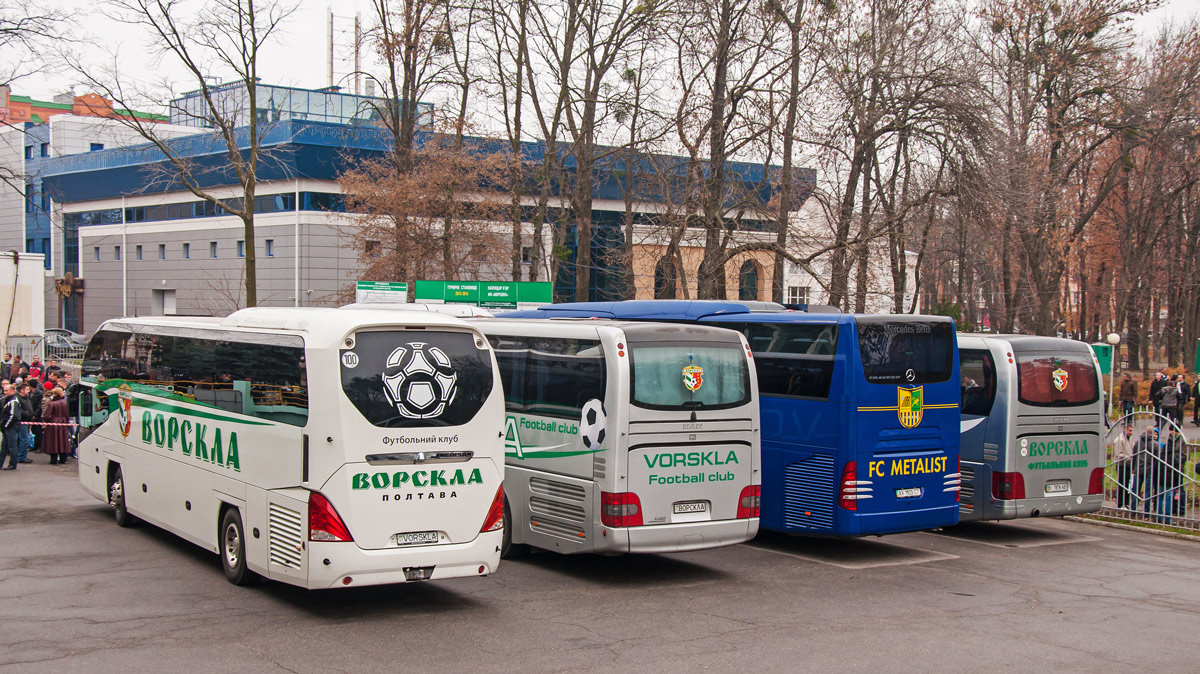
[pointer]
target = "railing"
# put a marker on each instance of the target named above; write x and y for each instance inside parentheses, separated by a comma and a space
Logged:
(1155, 479)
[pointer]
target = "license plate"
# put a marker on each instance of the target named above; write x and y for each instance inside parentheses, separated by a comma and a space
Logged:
(691, 507)
(1056, 488)
(910, 492)
(415, 538)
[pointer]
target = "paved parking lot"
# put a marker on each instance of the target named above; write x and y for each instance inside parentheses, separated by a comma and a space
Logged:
(78, 594)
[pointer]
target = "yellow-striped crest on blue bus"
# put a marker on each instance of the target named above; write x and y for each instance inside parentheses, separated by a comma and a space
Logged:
(909, 406)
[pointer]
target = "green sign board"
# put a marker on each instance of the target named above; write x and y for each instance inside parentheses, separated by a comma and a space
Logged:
(381, 291)
(488, 294)
(1103, 356)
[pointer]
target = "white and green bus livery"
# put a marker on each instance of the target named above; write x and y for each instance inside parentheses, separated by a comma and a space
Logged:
(627, 437)
(1032, 427)
(317, 447)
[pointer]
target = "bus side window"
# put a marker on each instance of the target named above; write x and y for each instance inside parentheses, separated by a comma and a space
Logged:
(978, 384)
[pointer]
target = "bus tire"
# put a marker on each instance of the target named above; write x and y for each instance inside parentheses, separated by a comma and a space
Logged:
(116, 498)
(508, 549)
(231, 546)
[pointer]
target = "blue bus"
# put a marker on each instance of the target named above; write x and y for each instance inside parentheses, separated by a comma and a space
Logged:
(860, 419)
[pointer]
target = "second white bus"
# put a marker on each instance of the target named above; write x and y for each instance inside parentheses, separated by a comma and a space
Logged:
(318, 447)
(627, 437)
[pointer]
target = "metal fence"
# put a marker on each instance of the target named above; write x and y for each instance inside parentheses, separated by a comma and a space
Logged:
(1150, 475)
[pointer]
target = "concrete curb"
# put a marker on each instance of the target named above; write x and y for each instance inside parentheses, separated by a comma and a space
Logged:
(1130, 527)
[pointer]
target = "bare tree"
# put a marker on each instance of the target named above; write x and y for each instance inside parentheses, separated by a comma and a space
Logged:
(224, 40)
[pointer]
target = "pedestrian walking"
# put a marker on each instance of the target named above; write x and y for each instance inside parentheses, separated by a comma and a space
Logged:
(58, 443)
(25, 435)
(10, 426)
(1129, 391)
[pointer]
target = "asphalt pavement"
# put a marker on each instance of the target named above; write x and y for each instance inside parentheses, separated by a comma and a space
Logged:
(79, 594)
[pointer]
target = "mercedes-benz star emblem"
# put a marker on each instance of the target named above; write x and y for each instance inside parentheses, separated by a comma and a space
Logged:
(910, 374)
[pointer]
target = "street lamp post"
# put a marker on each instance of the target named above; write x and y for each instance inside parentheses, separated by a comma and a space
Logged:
(1113, 339)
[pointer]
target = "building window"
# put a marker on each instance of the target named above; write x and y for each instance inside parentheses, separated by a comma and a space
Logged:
(212, 248)
(748, 281)
(372, 249)
(29, 246)
(187, 251)
(96, 250)
(797, 294)
(29, 152)
(241, 248)
(45, 202)
(97, 146)
(526, 254)
(45, 149)
(139, 253)
(162, 251)
(116, 252)
(270, 247)
(29, 194)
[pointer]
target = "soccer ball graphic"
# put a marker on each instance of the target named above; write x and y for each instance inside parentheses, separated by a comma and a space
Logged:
(419, 380)
(593, 424)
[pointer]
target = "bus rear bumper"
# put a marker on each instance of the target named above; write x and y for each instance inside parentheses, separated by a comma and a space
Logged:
(1054, 506)
(687, 536)
(383, 567)
(875, 524)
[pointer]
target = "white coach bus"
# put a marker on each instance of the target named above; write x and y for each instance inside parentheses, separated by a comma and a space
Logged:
(317, 447)
(627, 437)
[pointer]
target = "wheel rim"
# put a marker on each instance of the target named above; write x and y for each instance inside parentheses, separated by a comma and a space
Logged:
(233, 545)
(116, 494)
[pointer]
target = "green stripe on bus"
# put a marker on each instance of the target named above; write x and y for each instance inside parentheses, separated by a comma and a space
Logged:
(554, 455)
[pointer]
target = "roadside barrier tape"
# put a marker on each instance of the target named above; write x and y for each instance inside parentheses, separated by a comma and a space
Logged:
(45, 423)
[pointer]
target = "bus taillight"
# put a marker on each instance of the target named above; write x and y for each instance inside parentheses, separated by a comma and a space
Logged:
(495, 516)
(853, 489)
(621, 509)
(324, 524)
(748, 501)
(1007, 486)
(1096, 482)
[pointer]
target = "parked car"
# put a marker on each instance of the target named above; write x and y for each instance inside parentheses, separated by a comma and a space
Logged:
(63, 344)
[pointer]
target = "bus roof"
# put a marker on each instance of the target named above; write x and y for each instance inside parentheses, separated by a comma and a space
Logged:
(1036, 342)
(708, 310)
(634, 330)
(325, 322)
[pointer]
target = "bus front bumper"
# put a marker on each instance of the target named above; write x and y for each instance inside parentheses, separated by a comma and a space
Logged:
(686, 536)
(382, 567)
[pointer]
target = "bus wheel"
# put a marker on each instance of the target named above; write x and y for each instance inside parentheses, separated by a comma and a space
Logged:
(509, 550)
(232, 546)
(116, 499)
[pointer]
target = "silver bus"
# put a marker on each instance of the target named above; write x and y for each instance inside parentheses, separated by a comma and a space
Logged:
(1032, 427)
(626, 437)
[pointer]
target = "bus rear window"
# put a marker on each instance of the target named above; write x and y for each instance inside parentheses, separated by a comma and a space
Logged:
(411, 379)
(1059, 380)
(906, 352)
(549, 376)
(683, 376)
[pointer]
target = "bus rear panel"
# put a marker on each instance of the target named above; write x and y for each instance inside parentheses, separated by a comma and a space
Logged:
(1032, 427)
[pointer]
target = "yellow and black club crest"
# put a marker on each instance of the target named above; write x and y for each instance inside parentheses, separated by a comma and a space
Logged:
(910, 405)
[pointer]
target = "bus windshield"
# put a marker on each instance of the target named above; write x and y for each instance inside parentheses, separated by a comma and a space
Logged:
(406, 379)
(1056, 379)
(679, 376)
(906, 352)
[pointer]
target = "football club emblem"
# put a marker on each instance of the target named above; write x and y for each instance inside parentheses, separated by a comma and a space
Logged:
(693, 377)
(1060, 378)
(124, 410)
(419, 380)
(909, 406)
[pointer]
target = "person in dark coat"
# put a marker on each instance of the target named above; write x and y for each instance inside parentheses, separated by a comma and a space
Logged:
(10, 423)
(56, 442)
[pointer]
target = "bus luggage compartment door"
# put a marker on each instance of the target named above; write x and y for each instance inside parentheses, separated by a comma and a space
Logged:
(690, 481)
(287, 531)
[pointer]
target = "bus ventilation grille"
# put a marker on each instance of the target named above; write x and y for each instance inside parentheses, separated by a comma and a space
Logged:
(286, 534)
(809, 493)
(966, 492)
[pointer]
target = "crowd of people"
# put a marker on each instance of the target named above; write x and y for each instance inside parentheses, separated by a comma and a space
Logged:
(33, 412)
(1151, 465)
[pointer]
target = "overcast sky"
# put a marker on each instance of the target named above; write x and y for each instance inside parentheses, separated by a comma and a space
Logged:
(300, 56)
